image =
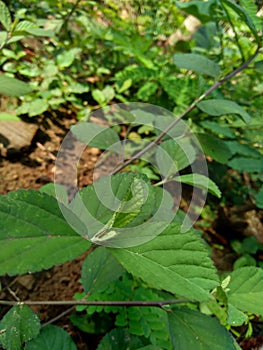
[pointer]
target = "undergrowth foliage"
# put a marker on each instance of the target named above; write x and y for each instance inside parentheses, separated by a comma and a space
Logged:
(148, 281)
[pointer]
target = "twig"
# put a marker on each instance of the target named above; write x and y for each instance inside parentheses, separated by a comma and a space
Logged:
(189, 109)
(64, 313)
(157, 303)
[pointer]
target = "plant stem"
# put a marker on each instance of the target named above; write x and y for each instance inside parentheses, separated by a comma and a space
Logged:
(235, 33)
(189, 109)
(157, 303)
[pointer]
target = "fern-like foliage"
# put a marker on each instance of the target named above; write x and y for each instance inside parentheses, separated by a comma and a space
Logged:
(148, 322)
(251, 8)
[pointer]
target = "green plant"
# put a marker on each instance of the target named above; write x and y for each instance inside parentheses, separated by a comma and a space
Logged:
(139, 268)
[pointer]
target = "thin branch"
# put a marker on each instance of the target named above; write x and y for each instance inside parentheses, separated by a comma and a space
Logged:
(64, 313)
(188, 110)
(235, 33)
(158, 303)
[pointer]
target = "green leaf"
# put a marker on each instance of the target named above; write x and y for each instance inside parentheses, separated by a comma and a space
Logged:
(246, 164)
(218, 129)
(173, 261)
(5, 17)
(95, 135)
(174, 155)
(119, 339)
(66, 58)
(98, 96)
(3, 38)
(204, 10)
(259, 198)
(13, 87)
(40, 32)
(37, 106)
(99, 269)
(218, 107)
(19, 325)
(147, 90)
(191, 329)
(246, 289)
(242, 149)
(34, 234)
(51, 337)
(197, 63)
(235, 317)
(214, 148)
(200, 181)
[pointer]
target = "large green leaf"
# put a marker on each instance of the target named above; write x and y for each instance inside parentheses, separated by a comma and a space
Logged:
(19, 325)
(246, 289)
(197, 63)
(5, 17)
(214, 148)
(218, 107)
(99, 269)
(173, 261)
(34, 234)
(200, 181)
(191, 329)
(13, 87)
(51, 337)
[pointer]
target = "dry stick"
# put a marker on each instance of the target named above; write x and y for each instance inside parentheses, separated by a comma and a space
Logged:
(189, 109)
(158, 303)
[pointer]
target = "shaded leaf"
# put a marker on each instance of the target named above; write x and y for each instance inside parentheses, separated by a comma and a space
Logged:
(191, 329)
(246, 164)
(119, 339)
(259, 198)
(19, 325)
(214, 148)
(99, 269)
(51, 337)
(218, 107)
(197, 63)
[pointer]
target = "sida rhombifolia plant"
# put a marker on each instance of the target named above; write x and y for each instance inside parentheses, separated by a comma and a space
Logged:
(147, 267)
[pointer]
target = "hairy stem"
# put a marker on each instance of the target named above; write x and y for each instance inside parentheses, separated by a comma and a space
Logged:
(157, 303)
